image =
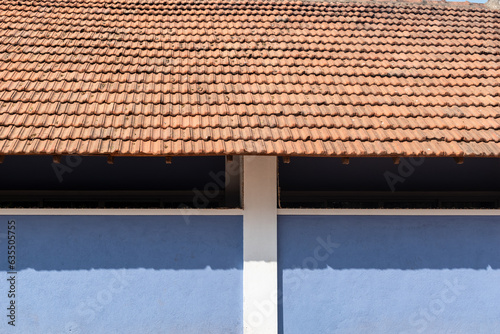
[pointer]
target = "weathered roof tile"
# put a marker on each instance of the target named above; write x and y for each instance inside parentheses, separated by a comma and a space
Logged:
(326, 78)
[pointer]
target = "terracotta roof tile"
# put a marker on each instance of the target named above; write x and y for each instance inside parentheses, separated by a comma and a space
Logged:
(283, 78)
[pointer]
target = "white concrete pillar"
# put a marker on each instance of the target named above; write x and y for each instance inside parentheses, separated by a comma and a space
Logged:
(260, 245)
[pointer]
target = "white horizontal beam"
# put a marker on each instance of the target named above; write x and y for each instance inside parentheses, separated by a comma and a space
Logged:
(390, 212)
(123, 212)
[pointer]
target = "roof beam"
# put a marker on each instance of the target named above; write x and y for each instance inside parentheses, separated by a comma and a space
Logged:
(459, 160)
(345, 160)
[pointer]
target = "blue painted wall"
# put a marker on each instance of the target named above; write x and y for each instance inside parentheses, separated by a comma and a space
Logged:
(389, 274)
(125, 274)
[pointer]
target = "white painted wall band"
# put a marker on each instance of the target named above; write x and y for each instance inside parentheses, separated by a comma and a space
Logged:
(239, 212)
(122, 212)
(390, 212)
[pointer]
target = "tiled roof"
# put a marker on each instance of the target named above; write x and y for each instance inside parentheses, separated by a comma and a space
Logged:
(249, 77)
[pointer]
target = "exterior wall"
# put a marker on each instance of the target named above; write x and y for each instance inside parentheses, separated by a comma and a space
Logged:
(256, 270)
(389, 274)
(126, 274)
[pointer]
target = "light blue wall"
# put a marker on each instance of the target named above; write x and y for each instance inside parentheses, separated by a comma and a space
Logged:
(126, 274)
(389, 274)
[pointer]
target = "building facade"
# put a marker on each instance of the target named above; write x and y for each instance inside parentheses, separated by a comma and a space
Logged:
(249, 167)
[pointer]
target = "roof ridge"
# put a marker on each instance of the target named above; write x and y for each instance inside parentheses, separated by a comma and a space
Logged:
(491, 4)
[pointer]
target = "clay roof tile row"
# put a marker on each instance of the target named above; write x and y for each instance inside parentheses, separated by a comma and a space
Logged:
(346, 78)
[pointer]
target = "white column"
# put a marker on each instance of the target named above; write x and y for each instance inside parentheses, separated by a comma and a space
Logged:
(260, 253)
